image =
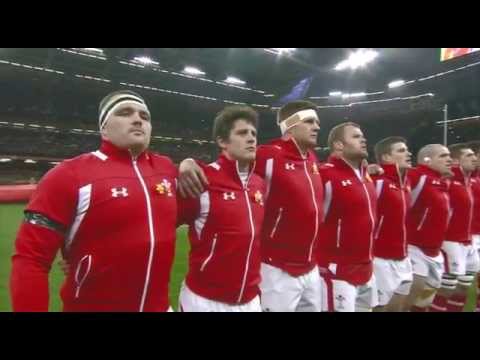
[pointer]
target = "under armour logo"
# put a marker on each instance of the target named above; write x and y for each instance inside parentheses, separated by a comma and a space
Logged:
(289, 166)
(392, 186)
(436, 182)
(229, 196)
(346, 182)
(119, 192)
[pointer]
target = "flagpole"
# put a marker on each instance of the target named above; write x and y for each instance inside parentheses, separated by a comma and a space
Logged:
(445, 125)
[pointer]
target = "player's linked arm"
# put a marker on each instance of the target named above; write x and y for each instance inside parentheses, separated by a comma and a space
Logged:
(191, 179)
(39, 238)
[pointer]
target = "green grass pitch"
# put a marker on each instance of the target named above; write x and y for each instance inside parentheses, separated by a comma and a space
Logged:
(10, 218)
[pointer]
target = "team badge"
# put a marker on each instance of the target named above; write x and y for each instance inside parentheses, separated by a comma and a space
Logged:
(164, 188)
(259, 198)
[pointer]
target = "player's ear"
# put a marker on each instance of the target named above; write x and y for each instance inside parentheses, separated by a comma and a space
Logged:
(222, 143)
(338, 145)
(103, 132)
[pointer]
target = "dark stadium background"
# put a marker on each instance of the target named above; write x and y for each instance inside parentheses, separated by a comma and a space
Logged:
(49, 99)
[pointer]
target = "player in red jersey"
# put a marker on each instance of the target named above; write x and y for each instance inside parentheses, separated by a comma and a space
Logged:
(225, 222)
(392, 267)
(461, 258)
(112, 212)
(427, 223)
(293, 210)
(345, 250)
(475, 179)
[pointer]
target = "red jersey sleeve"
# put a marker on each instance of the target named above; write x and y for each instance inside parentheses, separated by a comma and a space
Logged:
(56, 195)
(37, 243)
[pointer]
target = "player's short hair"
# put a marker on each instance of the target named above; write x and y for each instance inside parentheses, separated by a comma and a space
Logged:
(225, 120)
(456, 150)
(384, 146)
(293, 107)
(474, 145)
(427, 152)
(338, 133)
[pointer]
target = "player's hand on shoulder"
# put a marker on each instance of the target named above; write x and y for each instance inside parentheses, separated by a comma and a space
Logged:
(375, 169)
(191, 179)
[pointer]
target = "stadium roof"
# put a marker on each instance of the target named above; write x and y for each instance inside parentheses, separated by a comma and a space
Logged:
(75, 79)
(259, 68)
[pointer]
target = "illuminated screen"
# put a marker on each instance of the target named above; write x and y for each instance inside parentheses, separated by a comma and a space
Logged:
(451, 53)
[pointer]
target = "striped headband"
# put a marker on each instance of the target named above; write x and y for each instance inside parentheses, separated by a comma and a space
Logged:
(117, 100)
